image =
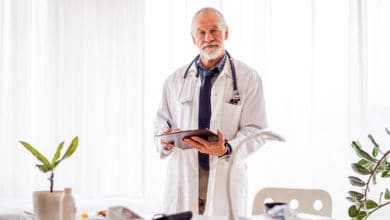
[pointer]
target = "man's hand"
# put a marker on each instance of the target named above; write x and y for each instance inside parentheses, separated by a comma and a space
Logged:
(166, 144)
(216, 148)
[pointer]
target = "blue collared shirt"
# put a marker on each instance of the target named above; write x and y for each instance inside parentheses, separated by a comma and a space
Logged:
(219, 68)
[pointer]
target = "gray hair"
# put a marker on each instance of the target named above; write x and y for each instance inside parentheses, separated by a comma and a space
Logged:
(207, 10)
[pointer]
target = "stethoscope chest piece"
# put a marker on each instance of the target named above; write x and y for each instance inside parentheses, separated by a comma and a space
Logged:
(236, 98)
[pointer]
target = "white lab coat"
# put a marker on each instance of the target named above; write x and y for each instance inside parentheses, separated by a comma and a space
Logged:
(179, 105)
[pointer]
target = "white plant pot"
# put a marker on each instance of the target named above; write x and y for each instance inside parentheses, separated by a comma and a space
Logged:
(47, 205)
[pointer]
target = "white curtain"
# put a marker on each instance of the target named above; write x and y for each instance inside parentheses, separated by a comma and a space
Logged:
(377, 52)
(67, 68)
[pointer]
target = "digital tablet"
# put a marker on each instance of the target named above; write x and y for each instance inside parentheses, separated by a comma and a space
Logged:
(177, 137)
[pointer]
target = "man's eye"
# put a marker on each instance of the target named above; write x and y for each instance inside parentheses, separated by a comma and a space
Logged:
(202, 32)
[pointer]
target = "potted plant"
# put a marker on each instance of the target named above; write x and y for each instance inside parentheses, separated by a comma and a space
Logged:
(47, 203)
(371, 166)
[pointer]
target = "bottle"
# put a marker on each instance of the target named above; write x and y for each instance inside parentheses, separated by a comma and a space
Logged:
(68, 209)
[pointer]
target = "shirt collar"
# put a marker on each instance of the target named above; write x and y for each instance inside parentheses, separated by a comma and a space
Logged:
(220, 65)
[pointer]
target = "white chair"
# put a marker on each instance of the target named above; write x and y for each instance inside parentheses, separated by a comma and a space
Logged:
(311, 201)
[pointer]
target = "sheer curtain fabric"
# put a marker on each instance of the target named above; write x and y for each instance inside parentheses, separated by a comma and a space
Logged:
(68, 68)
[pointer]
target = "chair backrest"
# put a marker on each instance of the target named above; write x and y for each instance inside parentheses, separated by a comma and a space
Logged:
(311, 201)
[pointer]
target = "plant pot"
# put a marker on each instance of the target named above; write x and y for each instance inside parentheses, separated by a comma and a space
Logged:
(47, 205)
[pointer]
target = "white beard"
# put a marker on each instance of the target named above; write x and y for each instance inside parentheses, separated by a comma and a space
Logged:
(212, 55)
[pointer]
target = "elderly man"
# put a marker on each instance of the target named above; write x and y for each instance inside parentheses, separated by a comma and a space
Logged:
(215, 92)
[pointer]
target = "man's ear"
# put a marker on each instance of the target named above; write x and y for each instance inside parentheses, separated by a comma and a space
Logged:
(226, 33)
(193, 39)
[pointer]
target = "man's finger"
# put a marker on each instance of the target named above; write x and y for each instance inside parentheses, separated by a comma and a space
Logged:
(201, 148)
(221, 137)
(166, 144)
(191, 142)
(200, 140)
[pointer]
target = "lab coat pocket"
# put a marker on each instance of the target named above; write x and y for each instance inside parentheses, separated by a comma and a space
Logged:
(230, 119)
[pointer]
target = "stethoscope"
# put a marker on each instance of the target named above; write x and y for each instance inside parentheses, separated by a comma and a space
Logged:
(236, 95)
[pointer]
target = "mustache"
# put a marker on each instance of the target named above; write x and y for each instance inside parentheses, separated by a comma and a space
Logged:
(210, 44)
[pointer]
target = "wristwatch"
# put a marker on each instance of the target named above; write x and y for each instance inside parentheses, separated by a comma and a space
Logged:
(229, 148)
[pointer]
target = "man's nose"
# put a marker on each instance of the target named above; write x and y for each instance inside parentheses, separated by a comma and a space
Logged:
(209, 37)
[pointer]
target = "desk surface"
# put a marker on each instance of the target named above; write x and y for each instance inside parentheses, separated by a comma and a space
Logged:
(300, 216)
(27, 216)
(21, 209)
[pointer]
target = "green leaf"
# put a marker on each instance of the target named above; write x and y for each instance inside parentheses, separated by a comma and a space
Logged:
(373, 140)
(360, 169)
(361, 153)
(374, 179)
(361, 215)
(385, 174)
(57, 154)
(355, 181)
(44, 168)
(380, 168)
(387, 194)
(353, 211)
(72, 148)
(36, 153)
(356, 195)
(370, 204)
(365, 163)
(375, 151)
(356, 146)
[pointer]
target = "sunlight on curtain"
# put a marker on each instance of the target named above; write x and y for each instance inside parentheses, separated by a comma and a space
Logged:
(375, 47)
(72, 68)
(378, 68)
